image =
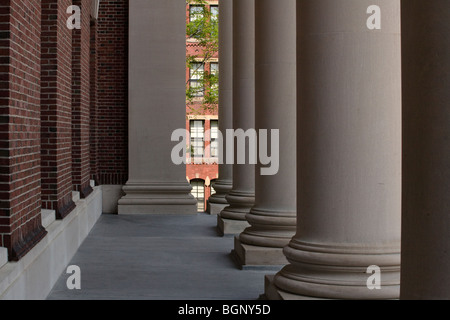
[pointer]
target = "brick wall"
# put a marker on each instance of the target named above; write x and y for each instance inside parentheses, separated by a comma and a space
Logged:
(20, 173)
(56, 108)
(93, 140)
(81, 100)
(112, 98)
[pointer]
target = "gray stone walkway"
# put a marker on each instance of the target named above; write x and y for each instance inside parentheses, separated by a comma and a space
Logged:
(159, 258)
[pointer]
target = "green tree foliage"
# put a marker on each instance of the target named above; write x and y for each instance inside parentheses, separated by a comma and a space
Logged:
(203, 29)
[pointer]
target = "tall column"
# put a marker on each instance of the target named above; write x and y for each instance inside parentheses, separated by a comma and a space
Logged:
(56, 108)
(273, 218)
(157, 107)
(20, 127)
(81, 101)
(426, 150)
(93, 108)
(349, 153)
(224, 184)
(242, 197)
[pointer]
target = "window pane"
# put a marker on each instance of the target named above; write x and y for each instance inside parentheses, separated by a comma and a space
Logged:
(214, 72)
(197, 138)
(196, 77)
(214, 139)
(214, 68)
(195, 13)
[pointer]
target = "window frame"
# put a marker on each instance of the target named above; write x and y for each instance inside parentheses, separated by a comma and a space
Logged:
(195, 140)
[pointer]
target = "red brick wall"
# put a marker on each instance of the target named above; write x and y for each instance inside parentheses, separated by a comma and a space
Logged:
(93, 140)
(56, 108)
(81, 100)
(20, 173)
(113, 92)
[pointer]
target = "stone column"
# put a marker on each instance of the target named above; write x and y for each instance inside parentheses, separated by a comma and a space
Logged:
(241, 198)
(349, 153)
(426, 150)
(273, 218)
(157, 107)
(224, 184)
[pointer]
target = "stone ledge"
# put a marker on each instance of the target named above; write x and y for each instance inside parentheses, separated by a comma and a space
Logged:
(33, 277)
(75, 196)
(3, 256)
(47, 217)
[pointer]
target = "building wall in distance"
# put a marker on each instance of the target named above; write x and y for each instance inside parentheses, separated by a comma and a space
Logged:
(205, 172)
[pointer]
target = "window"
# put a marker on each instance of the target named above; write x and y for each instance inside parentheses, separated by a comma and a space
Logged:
(214, 72)
(198, 191)
(195, 13)
(196, 79)
(215, 20)
(214, 68)
(214, 139)
(197, 129)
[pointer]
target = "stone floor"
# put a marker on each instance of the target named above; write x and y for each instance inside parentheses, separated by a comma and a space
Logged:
(159, 258)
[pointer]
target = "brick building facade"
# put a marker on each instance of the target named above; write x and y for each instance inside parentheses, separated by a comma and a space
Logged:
(201, 174)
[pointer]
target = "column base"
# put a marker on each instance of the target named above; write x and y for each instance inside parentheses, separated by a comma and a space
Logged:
(66, 209)
(271, 292)
(156, 198)
(254, 257)
(341, 271)
(216, 208)
(230, 227)
(217, 202)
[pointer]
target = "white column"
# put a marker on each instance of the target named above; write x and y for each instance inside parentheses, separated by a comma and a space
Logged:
(241, 198)
(426, 150)
(224, 184)
(273, 218)
(349, 153)
(157, 107)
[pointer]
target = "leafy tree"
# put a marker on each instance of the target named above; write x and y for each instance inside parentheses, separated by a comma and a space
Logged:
(203, 29)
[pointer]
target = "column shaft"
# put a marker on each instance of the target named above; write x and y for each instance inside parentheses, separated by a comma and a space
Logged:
(225, 182)
(349, 152)
(241, 198)
(273, 218)
(20, 116)
(157, 50)
(81, 101)
(426, 150)
(56, 109)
